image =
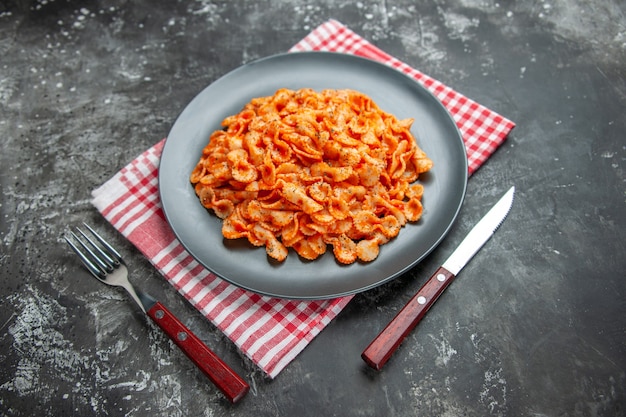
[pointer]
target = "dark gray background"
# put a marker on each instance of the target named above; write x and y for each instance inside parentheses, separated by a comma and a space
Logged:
(534, 325)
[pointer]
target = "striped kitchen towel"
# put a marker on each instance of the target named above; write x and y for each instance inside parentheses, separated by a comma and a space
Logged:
(270, 331)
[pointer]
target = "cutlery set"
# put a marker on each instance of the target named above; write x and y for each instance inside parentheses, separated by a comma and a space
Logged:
(107, 265)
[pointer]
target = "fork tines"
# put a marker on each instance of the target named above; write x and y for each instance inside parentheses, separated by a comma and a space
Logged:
(99, 258)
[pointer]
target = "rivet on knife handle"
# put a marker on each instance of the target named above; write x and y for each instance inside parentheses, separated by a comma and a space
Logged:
(224, 378)
(383, 346)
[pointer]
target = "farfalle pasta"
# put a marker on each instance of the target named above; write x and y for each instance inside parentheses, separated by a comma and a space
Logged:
(311, 170)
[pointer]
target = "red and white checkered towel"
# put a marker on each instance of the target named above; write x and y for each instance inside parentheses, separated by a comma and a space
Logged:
(270, 331)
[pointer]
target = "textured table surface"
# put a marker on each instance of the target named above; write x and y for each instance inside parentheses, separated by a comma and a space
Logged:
(535, 325)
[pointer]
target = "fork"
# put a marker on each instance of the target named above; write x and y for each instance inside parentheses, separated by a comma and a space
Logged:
(107, 265)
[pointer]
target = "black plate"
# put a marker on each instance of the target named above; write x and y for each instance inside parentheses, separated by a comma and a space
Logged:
(249, 267)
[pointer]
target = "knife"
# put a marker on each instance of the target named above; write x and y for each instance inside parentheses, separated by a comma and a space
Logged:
(382, 347)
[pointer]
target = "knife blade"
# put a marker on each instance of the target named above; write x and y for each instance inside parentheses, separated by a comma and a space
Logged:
(385, 344)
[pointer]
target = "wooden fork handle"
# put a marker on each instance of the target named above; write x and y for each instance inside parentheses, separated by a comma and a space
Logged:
(227, 380)
(382, 347)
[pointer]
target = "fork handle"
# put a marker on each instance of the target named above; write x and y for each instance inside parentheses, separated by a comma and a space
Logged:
(227, 380)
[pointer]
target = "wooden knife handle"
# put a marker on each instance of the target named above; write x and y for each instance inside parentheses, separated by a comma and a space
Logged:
(382, 347)
(227, 380)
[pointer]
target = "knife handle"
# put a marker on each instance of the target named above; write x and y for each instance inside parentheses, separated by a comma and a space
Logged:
(382, 347)
(224, 378)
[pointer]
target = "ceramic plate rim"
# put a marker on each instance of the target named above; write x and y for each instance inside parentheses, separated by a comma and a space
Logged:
(247, 267)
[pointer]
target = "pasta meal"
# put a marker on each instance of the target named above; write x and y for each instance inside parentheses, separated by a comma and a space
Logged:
(311, 170)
